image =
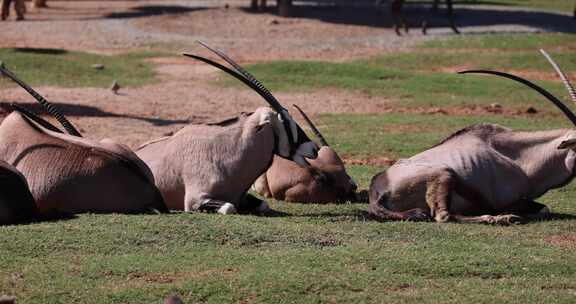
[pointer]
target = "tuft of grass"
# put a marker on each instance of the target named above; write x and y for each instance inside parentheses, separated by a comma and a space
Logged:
(63, 68)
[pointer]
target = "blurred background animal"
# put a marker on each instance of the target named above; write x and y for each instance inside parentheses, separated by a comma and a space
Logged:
(400, 20)
(19, 9)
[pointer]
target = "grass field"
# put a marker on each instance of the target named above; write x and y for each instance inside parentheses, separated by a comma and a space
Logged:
(330, 253)
(63, 68)
(426, 75)
(557, 5)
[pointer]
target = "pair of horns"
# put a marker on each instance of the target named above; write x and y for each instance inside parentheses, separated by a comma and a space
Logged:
(49, 107)
(248, 79)
(569, 114)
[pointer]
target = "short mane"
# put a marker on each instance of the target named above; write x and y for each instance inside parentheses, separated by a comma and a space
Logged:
(481, 130)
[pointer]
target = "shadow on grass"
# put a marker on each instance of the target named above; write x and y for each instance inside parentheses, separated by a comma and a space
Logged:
(41, 51)
(469, 16)
(364, 216)
(153, 10)
(89, 111)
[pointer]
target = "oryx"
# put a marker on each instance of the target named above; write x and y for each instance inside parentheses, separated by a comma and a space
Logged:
(324, 181)
(483, 173)
(72, 174)
(16, 201)
(203, 167)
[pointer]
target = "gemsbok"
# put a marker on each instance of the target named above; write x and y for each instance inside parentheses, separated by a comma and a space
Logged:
(324, 181)
(211, 167)
(16, 202)
(484, 173)
(71, 174)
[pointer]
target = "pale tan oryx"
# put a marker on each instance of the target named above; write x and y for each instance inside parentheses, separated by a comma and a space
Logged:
(203, 167)
(483, 173)
(324, 181)
(68, 173)
(16, 202)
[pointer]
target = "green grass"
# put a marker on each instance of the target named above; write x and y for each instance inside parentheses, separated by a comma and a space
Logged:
(74, 69)
(425, 76)
(318, 253)
(554, 5)
(386, 76)
(402, 135)
(558, 5)
(507, 42)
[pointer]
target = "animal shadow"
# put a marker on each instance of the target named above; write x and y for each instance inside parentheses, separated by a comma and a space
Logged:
(88, 111)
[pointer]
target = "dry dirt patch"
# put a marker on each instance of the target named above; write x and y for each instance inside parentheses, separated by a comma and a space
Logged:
(564, 240)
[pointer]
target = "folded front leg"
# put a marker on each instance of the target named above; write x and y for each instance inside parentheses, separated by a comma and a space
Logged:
(194, 202)
(438, 197)
(213, 205)
(253, 205)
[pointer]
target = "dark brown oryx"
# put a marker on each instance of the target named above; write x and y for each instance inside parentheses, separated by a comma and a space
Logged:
(324, 181)
(72, 174)
(16, 202)
(483, 173)
(203, 167)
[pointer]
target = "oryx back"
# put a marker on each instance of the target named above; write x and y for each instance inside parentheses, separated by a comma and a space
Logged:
(211, 161)
(73, 174)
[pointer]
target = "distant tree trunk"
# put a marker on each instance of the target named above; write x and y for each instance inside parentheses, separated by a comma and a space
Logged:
(40, 3)
(284, 8)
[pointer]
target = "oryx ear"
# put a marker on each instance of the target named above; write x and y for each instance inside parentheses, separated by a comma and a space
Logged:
(568, 144)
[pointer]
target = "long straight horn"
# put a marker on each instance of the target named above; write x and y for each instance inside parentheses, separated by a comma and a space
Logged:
(323, 141)
(50, 108)
(569, 114)
(237, 76)
(565, 79)
(39, 120)
(269, 97)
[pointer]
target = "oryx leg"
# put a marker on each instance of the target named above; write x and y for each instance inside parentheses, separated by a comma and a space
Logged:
(451, 16)
(439, 190)
(398, 17)
(450, 12)
(193, 202)
(414, 215)
(261, 186)
(253, 205)
(529, 210)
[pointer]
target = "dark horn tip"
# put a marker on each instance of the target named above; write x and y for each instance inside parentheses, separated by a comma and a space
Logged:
(467, 71)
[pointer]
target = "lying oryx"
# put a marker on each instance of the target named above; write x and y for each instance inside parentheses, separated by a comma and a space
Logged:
(324, 181)
(204, 167)
(16, 201)
(484, 170)
(71, 174)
